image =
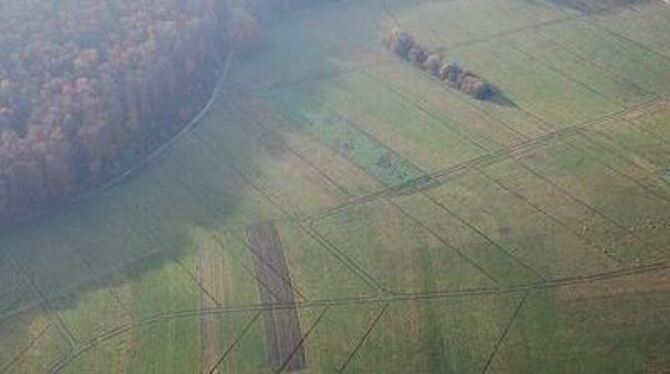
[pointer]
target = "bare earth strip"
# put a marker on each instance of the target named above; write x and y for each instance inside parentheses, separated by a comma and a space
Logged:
(283, 335)
(208, 269)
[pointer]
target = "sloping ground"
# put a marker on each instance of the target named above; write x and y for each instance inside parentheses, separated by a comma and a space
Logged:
(422, 231)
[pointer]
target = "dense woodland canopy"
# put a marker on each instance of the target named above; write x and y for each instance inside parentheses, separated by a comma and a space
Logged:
(87, 87)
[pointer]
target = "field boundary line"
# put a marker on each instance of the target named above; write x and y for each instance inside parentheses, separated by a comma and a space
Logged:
(303, 339)
(613, 116)
(504, 333)
(141, 164)
(323, 76)
(486, 238)
(554, 219)
(364, 338)
(566, 76)
(54, 315)
(421, 104)
(570, 48)
(242, 241)
(283, 144)
(444, 242)
(19, 355)
(582, 203)
(112, 291)
(664, 265)
(394, 91)
(622, 37)
(195, 279)
(622, 152)
(359, 272)
(489, 158)
(237, 340)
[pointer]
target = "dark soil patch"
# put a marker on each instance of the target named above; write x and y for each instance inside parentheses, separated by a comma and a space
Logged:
(282, 326)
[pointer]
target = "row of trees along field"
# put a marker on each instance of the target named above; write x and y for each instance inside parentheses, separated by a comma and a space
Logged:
(87, 87)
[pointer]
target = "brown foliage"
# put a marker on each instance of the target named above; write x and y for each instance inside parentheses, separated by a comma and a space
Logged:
(83, 84)
(403, 45)
(417, 55)
(433, 64)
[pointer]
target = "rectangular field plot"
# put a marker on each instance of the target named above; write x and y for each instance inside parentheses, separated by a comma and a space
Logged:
(646, 24)
(382, 115)
(314, 270)
(340, 331)
(452, 108)
(452, 23)
(616, 88)
(484, 123)
(14, 292)
(160, 286)
(260, 158)
(172, 344)
(251, 354)
(397, 251)
(30, 343)
(648, 70)
(475, 245)
(397, 122)
(605, 192)
(534, 241)
(603, 238)
(435, 336)
(535, 87)
(645, 140)
(94, 310)
(314, 266)
(625, 334)
(223, 267)
(281, 131)
(346, 138)
(230, 277)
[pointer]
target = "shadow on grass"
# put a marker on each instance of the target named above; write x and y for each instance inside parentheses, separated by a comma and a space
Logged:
(498, 97)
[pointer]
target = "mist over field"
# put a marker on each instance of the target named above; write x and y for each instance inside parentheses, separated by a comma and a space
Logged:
(87, 88)
(331, 186)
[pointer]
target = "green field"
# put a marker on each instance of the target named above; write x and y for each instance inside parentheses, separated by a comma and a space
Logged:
(423, 231)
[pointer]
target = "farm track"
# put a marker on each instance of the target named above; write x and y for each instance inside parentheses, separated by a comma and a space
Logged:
(402, 189)
(343, 258)
(482, 161)
(417, 185)
(142, 164)
(386, 298)
(237, 340)
(395, 297)
(364, 338)
(504, 333)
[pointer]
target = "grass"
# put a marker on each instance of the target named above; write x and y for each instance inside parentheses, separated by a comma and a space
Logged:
(640, 65)
(623, 335)
(397, 251)
(514, 263)
(453, 336)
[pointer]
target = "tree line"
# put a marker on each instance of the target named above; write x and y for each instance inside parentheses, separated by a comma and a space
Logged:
(87, 87)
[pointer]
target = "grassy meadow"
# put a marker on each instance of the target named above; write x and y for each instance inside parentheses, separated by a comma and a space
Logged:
(424, 231)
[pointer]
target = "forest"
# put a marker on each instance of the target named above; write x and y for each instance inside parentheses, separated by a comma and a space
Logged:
(89, 87)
